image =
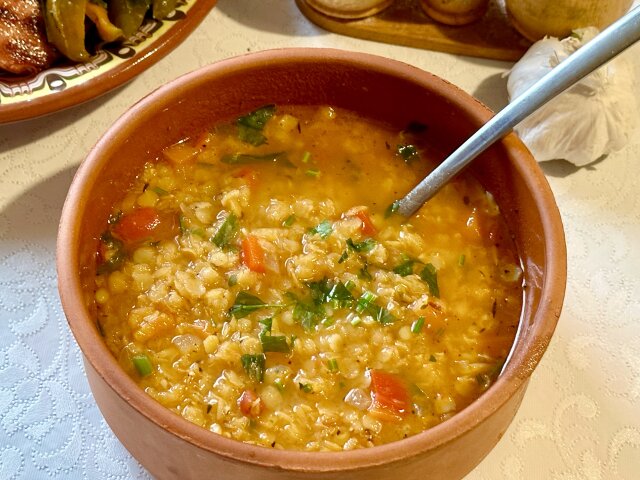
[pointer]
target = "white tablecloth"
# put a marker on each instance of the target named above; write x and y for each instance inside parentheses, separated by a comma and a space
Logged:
(581, 416)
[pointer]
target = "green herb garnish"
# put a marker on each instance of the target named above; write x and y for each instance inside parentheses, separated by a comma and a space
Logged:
(114, 217)
(306, 156)
(254, 365)
(313, 172)
(266, 324)
(324, 229)
(364, 272)
(391, 209)
(417, 325)
(430, 275)
(250, 126)
(305, 387)
(409, 153)
(364, 246)
(384, 316)
(279, 385)
(340, 296)
(405, 268)
(161, 192)
(319, 290)
(461, 260)
(432, 358)
(142, 364)
(290, 220)
(226, 232)
(274, 343)
(114, 254)
(365, 302)
(258, 118)
(307, 315)
(182, 224)
(246, 304)
(332, 365)
(251, 136)
(233, 280)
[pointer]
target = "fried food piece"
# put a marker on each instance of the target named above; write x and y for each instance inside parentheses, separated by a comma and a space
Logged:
(24, 49)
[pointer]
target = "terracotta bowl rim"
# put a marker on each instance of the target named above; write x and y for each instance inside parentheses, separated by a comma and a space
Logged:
(515, 374)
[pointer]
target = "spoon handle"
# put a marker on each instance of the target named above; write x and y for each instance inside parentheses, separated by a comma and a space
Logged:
(612, 41)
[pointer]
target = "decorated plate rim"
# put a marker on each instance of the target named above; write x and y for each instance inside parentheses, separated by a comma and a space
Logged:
(67, 85)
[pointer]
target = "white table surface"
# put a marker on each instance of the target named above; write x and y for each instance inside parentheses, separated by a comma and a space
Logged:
(581, 415)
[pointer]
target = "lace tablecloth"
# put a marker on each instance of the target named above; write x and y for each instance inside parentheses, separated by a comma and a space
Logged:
(581, 416)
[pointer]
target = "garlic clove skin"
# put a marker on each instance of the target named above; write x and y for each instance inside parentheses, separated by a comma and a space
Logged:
(595, 117)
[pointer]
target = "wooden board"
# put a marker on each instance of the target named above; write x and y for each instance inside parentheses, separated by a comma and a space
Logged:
(405, 23)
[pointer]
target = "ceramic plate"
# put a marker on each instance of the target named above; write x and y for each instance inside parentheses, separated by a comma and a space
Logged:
(65, 85)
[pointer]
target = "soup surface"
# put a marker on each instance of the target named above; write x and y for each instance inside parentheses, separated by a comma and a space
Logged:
(257, 281)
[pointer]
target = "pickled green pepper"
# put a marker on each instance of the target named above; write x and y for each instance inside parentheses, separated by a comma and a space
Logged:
(64, 21)
(128, 15)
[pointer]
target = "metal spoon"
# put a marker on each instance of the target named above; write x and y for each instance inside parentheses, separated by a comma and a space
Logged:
(612, 41)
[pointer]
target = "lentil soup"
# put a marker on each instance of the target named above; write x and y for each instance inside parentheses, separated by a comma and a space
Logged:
(256, 281)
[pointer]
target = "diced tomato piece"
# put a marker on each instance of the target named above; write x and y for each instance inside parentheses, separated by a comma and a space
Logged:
(367, 228)
(389, 395)
(253, 254)
(250, 403)
(144, 223)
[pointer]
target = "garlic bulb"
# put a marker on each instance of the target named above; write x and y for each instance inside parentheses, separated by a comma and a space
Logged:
(593, 118)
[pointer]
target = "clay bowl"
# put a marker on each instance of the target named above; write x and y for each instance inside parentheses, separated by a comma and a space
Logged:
(171, 447)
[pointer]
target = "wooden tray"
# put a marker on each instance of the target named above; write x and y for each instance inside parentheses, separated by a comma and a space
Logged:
(405, 23)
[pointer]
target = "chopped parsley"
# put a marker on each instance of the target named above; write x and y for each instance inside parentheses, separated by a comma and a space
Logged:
(274, 343)
(250, 126)
(247, 303)
(417, 325)
(290, 220)
(408, 153)
(430, 275)
(364, 246)
(405, 268)
(307, 315)
(324, 229)
(391, 209)
(340, 296)
(113, 254)
(254, 365)
(226, 232)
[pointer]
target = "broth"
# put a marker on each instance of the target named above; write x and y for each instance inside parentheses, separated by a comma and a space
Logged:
(256, 281)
